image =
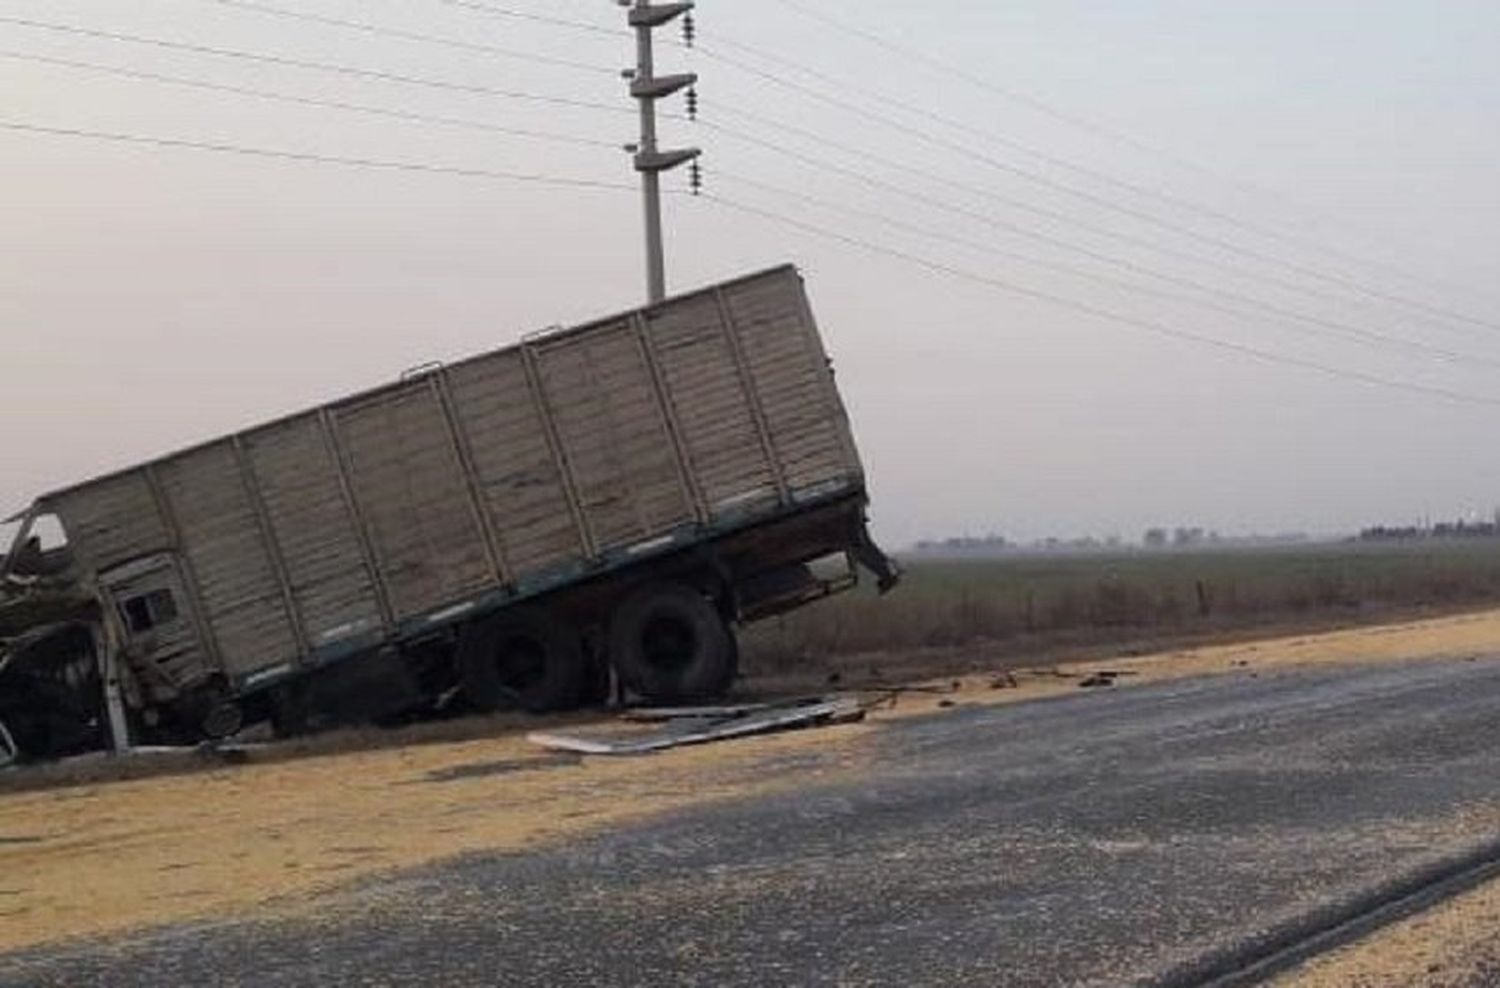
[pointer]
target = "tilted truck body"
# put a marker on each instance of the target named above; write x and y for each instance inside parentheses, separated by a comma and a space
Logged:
(505, 528)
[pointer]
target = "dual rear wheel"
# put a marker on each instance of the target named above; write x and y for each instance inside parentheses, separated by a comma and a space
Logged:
(667, 641)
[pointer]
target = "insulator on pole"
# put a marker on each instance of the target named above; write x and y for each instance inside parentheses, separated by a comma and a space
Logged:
(692, 103)
(695, 177)
(689, 30)
(649, 158)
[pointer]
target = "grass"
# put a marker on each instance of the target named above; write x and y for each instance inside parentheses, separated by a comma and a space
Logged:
(1131, 596)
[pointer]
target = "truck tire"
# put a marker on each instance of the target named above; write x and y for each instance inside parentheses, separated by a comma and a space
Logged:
(669, 645)
(222, 720)
(526, 660)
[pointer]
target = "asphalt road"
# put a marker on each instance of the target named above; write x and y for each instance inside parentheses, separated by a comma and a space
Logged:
(1115, 836)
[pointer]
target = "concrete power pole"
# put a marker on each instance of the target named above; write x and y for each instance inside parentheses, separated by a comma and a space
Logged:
(650, 160)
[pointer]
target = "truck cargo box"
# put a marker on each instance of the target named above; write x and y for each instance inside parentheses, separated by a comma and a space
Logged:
(466, 487)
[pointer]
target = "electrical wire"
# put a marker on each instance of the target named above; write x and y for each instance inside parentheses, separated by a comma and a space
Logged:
(499, 11)
(347, 70)
(1022, 99)
(1318, 326)
(1159, 329)
(422, 167)
(313, 158)
(1099, 130)
(1083, 195)
(389, 32)
(911, 258)
(218, 87)
(1345, 330)
(927, 113)
(987, 218)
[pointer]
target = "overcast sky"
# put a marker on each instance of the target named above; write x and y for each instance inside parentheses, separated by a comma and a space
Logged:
(152, 297)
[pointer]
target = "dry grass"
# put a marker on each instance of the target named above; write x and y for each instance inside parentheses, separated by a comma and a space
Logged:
(1119, 600)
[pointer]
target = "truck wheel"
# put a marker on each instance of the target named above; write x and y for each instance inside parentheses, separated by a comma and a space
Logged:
(669, 644)
(223, 720)
(527, 660)
(213, 710)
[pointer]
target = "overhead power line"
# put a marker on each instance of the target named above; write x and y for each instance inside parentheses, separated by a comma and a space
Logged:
(927, 113)
(1015, 96)
(989, 219)
(1098, 312)
(315, 66)
(1100, 201)
(1430, 311)
(390, 32)
(800, 224)
(1101, 130)
(1306, 324)
(312, 158)
(522, 15)
(266, 94)
(1330, 326)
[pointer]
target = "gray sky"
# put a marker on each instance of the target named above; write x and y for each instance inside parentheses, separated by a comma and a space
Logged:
(153, 297)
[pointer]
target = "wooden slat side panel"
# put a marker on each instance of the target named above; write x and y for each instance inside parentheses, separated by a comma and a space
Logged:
(410, 486)
(614, 436)
(517, 474)
(319, 543)
(788, 366)
(112, 521)
(221, 541)
(713, 412)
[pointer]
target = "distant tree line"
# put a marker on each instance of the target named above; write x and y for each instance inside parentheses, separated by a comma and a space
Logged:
(1182, 537)
(1442, 530)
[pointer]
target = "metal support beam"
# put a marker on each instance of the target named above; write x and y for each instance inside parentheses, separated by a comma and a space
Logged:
(107, 650)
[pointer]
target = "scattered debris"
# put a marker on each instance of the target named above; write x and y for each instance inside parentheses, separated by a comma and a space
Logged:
(696, 727)
(474, 770)
(217, 751)
(651, 715)
(945, 704)
(1104, 678)
(887, 696)
(1004, 681)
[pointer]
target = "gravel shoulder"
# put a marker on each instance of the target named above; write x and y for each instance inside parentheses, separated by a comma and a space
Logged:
(1453, 945)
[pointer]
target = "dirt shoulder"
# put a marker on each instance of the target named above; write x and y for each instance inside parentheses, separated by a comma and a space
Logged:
(1455, 945)
(98, 858)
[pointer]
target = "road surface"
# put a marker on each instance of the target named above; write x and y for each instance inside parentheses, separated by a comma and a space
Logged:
(1112, 836)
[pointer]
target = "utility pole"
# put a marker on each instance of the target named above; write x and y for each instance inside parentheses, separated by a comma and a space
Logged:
(645, 17)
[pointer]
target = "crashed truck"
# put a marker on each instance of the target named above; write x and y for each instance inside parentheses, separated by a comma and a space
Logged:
(595, 509)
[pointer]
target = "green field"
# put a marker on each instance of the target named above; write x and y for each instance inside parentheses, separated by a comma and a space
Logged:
(1125, 596)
